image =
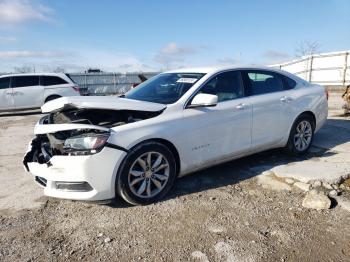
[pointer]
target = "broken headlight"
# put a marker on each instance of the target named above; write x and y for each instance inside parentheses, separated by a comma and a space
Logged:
(89, 143)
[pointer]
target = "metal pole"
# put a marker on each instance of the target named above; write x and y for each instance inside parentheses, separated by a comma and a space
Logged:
(114, 82)
(310, 73)
(86, 87)
(345, 68)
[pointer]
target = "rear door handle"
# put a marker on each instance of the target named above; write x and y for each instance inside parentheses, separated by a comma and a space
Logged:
(286, 99)
(241, 106)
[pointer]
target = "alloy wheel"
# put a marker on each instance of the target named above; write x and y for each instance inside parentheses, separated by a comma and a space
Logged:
(148, 174)
(303, 135)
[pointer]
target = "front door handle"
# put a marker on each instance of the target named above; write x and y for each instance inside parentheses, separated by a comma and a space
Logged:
(8, 93)
(286, 99)
(241, 106)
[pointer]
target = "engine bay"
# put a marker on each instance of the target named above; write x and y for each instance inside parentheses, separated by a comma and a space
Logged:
(99, 117)
(44, 146)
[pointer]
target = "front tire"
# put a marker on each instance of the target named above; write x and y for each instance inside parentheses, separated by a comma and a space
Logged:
(301, 135)
(147, 174)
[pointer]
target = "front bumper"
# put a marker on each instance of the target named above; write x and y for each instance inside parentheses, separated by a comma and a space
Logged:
(88, 177)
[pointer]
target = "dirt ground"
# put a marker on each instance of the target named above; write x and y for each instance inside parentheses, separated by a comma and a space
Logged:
(220, 214)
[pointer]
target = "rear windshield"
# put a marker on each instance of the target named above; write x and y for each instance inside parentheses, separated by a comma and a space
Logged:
(164, 88)
(68, 75)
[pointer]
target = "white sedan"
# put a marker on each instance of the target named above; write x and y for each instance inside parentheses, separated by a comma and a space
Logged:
(178, 122)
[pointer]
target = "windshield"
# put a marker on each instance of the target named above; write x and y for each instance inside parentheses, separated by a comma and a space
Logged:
(164, 88)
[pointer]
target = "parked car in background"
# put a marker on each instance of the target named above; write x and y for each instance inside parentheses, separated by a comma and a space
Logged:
(178, 122)
(31, 91)
(142, 79)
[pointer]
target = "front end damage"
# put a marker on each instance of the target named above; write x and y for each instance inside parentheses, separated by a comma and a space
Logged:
(71, 157)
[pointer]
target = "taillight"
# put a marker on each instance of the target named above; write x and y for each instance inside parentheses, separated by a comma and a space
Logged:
(76, 88)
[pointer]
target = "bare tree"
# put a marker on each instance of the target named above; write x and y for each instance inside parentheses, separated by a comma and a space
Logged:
(23, 69)
(58, 69)
(307, 48)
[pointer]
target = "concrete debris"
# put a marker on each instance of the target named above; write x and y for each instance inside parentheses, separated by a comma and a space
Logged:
(345, 185)
(316, 200)
(336, 187)
(268, 181)
(343, 202)
(309, 171)
(333, 193)
(216, 229)
(200, 256)
(289, 181)
(302, 186)
(317, 183)
(327, 186)
(107, 240)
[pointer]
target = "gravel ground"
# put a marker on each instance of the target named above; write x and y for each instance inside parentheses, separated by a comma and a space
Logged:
(220, 214)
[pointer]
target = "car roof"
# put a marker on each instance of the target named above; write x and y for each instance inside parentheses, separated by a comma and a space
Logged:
(216, 69)
(34, 74)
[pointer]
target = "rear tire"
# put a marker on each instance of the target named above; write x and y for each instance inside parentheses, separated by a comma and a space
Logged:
(301, 135)
(147, 174)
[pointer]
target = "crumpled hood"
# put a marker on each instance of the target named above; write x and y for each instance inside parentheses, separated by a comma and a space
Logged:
(100, 102)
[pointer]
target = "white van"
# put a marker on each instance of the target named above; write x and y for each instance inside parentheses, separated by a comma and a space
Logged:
(31, 91)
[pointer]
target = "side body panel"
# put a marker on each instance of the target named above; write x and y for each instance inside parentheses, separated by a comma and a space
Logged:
(308, 98)
(6, 97)
(27, 96)
(59, 90)
(214, 133)
(271, 119)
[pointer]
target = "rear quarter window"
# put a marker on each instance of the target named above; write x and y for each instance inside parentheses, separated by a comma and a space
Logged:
(289, 83)
(52, 80)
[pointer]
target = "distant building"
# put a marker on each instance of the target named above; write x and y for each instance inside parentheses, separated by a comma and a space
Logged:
(93, 70)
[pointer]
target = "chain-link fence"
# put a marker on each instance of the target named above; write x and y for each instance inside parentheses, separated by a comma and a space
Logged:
(108, 83)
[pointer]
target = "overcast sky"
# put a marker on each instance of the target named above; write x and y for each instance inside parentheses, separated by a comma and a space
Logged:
(153, 35)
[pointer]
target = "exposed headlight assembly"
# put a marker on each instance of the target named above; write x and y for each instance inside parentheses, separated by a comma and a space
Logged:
(89, 143)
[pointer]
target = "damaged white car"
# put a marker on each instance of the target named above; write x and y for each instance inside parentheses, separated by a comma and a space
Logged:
(135, 146)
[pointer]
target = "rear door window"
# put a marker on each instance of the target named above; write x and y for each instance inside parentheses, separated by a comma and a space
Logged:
(263, 82)
(4, 82)
(22, 81)
(288, 83)
(52, 80)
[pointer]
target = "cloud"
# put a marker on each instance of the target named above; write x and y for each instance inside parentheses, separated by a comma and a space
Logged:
(38, 59)
(72, 61)
(14, 12)
(175, 49)
(227, 61)
(275, 55)
(32, 54)
(107, 60)
(7, 39)
(174, 53)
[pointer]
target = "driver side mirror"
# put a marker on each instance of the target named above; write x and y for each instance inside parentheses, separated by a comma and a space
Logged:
(204, 100)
